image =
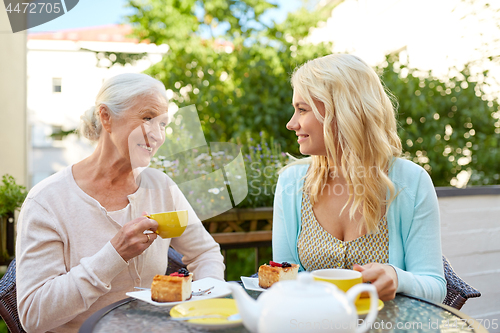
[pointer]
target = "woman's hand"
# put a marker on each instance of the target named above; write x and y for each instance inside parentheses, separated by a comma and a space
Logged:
(131, 241)
(383, 277)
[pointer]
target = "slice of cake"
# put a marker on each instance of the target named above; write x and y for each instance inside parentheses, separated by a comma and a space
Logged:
(175, 287)
(274, 272)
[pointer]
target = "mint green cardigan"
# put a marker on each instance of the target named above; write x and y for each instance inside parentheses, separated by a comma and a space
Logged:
(413, 222)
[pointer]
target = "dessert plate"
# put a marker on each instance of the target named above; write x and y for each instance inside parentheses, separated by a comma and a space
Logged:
(362, 305)
(251, 283)
(222, 306)
(220, 290)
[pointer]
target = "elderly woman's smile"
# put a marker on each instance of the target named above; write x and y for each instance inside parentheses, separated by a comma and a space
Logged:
(139, 133)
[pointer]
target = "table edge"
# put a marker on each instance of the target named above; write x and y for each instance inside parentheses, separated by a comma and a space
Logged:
(89, 324)
(476, 325)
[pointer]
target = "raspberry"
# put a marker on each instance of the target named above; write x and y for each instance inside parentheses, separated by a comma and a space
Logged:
(174, 274)
(275, 264)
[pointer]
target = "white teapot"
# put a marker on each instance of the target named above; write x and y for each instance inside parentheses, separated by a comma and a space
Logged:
(304, 305)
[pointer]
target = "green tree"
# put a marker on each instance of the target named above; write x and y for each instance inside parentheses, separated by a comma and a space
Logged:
(446, 126)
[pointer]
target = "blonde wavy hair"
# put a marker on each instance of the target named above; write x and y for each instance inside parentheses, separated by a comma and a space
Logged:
(359, 128)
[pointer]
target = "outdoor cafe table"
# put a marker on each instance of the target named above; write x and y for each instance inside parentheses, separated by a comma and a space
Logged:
(404, 313)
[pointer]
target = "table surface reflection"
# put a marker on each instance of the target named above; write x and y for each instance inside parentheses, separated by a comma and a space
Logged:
(404, 313)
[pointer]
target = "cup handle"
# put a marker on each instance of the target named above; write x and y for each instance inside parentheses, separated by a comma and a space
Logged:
(150, 217)
(372, 314)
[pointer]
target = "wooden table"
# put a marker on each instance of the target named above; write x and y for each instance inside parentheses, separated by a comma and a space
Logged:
(404, 313)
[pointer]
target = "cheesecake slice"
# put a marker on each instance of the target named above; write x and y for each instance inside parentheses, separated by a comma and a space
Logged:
(175, 287)
(274, 272)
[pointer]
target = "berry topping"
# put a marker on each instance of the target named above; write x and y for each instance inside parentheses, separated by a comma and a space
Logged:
(181, 273)
(274, 264)
(285, 264)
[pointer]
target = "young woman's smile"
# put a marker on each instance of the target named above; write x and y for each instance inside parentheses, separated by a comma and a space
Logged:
(307, 127)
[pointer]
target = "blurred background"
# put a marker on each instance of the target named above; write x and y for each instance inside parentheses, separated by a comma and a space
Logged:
(232, 60)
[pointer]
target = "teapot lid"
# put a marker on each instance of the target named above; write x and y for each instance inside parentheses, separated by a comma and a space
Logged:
(305, 286)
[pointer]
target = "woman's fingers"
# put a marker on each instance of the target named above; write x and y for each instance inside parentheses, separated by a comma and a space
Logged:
(132, 240)
(358, 268)
(368, 272)
(146, 214)
(147, 224)
(147, 227)
(382, 277)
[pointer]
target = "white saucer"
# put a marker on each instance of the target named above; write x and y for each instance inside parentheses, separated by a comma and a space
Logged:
(220, 290)
(251, 283)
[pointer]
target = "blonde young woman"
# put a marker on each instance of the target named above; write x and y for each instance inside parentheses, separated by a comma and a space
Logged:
(355, 203)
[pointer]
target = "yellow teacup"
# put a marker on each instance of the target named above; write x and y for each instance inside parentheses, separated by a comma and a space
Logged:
(344, 279)
(170, 224)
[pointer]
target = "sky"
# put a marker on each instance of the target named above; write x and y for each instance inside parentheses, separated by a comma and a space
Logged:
(88, 13)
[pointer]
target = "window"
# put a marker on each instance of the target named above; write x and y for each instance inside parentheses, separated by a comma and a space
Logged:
(56, 85)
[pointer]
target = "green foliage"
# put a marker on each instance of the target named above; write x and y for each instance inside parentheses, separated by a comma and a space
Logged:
(263, 160)
(59, 135)
(3, 327)
(11, 195)
(241, 262)
(198, 176)
(446, 126)
(174, 22)
(238, 81)
(121, 58)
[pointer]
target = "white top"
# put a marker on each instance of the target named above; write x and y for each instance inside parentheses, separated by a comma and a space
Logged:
(67, 268)
(122, 216)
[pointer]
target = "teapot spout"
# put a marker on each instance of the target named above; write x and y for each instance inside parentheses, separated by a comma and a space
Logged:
(247, 306)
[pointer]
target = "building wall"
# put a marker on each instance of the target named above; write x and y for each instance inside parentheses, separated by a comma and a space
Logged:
(81, 76)
(470, 227)
(13, 133)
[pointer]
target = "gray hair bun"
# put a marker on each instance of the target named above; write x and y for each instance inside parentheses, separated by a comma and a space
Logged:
(90, 126)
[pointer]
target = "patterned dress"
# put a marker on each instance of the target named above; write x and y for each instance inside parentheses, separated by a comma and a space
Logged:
(318, 249)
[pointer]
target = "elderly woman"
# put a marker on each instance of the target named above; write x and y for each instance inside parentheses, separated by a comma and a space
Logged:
(355, 204)
(83, 240)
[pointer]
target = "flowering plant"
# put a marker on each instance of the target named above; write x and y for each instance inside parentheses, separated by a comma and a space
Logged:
(263, 159)
(203, 176)
(215, 178)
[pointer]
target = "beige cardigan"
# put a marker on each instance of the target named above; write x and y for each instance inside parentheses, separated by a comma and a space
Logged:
(66, 266)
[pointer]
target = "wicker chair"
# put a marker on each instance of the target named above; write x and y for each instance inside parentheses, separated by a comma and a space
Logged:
(8, 301)
(457, 290)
